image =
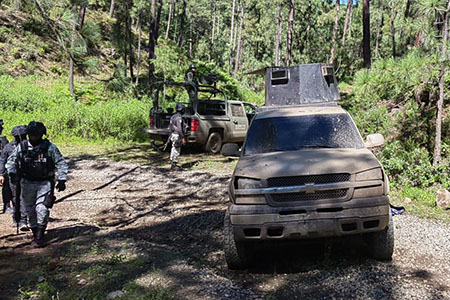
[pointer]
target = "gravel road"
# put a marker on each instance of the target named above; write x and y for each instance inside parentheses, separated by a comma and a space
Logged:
(173, 220)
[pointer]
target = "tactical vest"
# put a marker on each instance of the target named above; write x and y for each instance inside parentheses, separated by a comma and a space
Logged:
(36, 164)
(174, 122)
(3, 142)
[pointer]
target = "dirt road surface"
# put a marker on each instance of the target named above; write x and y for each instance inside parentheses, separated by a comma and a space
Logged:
(140, 231)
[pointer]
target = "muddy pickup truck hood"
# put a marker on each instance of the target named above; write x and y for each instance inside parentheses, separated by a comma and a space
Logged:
(305, 162)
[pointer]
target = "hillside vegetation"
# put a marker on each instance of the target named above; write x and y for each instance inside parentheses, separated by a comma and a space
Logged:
(118, 57)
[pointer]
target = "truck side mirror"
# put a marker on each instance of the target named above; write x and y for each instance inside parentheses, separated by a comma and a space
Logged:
(230, 149)
(374, 140)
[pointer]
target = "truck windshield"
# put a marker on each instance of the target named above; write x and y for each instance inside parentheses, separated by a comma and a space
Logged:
(302, 132)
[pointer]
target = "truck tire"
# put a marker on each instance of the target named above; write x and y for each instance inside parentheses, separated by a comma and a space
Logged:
(236, 253)
(381, 243)
(214, 143)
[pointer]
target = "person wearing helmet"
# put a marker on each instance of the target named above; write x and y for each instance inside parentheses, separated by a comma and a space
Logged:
(33, 165)
(177, 139)
(6, 197)
(192, 82)
(19, 134)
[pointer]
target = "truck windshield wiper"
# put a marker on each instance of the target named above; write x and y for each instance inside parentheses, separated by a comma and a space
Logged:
(315, 146)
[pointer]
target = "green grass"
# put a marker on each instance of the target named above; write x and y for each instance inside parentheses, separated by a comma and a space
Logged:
(423, 202)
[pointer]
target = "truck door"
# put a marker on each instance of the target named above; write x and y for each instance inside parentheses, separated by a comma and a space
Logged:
(239, 121)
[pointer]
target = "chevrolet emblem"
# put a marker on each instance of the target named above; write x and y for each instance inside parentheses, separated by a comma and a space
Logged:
(309, 188)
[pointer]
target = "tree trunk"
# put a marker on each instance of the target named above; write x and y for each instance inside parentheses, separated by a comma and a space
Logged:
(335, 29)
(290, 32)
(366, 33)
(278, 36)
(169, 18)
(440, 104)
(138, 65)
(82, 15)
(152, 41)
(346, 22)
(158, 20)
(111, 9)
(232, 23)
(213, 30)
(408, 6)
(379, 29)
(306, 16)
(183, 15)
(71, 64)
(393, 15)
(130, 46)
(239, 41)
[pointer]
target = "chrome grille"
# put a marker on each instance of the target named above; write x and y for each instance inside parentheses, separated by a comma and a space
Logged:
(301, 180)
(294, 197)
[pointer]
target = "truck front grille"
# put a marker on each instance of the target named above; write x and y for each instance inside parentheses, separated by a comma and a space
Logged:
(300, 180)
(319, 195)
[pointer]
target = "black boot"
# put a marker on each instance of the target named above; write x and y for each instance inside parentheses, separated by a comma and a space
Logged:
(39, 238)
(33, 242)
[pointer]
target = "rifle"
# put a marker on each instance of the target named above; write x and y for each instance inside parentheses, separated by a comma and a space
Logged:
(17, 214)
(167, 143)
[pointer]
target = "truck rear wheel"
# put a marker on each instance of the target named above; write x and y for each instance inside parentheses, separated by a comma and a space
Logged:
(236, 253)
(214, 143)
(381, 243)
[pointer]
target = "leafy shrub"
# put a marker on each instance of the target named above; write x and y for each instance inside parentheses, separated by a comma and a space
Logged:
(65, 119)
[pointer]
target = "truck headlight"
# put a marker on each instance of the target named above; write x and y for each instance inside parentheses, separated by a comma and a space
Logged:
(248, 183)
(373, 174)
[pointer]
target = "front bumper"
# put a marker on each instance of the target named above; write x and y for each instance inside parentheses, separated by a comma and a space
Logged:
(264, 222)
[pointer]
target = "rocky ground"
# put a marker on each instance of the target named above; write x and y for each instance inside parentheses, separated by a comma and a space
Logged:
(137, 230)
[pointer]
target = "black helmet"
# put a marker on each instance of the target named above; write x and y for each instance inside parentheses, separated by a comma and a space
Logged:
(1, 122)
(19, 130)
(36, 128)
(180, 108)
(192, 67)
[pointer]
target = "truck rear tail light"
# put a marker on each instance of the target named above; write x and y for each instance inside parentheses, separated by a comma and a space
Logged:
(151, 121)
(194, 125)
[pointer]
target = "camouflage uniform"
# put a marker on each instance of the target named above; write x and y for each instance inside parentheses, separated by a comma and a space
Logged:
(176, 137)
(36, 186)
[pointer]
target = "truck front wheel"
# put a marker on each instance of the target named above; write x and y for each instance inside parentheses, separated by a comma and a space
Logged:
(214, 143)
(381, 243)
(236, 253)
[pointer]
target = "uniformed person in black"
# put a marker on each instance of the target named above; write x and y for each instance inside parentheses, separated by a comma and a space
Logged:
(19, 133)
(35, 162)
(192, 81)
(6, 195)
(176, 135)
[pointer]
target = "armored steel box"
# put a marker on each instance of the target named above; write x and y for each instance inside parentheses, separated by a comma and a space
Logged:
(303, 84)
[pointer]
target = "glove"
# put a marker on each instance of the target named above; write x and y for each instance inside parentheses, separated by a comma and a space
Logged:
(12, 178)
(61, 185)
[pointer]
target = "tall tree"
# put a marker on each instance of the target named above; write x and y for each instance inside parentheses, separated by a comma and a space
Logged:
(440, 104)
(335, 29)
(366, 33)
(138, 65)
(290, 33)
(169, 18)
(154, 31)
(379, 28)
(111, 9)
(346, 22)
(182, 20)
(278, 35)
(239, 41)
(393, 16)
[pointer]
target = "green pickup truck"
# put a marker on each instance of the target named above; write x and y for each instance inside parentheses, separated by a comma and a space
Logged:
(210, 119)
